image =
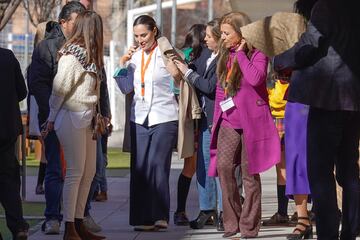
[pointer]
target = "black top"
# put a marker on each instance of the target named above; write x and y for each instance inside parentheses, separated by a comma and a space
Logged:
(326, 61)
(43, 68)
(204, 81)
(12, 91)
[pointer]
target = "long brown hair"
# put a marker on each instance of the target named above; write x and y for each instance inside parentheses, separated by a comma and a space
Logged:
(88, 33)
(215, 28)
(236, 20)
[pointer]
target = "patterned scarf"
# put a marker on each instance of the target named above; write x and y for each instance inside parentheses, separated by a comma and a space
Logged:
(80, 54)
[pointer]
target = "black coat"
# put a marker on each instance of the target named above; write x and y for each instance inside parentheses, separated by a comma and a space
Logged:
(326, 61)
(104, 96)
(43, 68)
(204, 81)
(12, 91)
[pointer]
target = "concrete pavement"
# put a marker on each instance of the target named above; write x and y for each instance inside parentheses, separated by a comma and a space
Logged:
(113, 215)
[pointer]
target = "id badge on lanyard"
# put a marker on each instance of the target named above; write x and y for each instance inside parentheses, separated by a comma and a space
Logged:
(227, 104)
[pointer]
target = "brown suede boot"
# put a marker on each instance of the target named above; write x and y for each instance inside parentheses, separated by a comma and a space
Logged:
(70, 232)
(84, 233)
(101, 197)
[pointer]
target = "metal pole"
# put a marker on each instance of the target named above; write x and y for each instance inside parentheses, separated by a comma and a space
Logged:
(130, 19)
(92, 3)
(58, 10)
(26, 51)
(23, 136)
(173, 22)
(129, 29)
(130, 4)
(159, 13)
(10, 41)
(111, 86)
(26, 55)
(210, 10)
(23, 163)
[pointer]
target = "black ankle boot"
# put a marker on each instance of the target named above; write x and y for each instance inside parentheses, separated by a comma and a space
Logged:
(205, 217)
(220, 223)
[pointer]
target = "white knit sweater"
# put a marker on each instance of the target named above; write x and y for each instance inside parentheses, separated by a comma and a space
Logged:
(74, 88)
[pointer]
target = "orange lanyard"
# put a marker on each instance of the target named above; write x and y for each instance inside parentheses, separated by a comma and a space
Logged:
(143, 69)
(228, 78)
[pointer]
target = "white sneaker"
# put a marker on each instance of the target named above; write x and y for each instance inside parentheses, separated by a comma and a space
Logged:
(91, 225)
(145, 228)
(161, 224)
(51, 227)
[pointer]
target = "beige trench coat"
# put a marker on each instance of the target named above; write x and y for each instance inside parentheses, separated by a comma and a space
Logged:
(189, 108)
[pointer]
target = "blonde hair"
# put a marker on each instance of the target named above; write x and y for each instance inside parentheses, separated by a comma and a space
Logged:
(236, 20)
(40, 33)
(88, 33)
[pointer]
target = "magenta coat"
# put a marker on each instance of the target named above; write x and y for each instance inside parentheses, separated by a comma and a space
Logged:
(251, 113)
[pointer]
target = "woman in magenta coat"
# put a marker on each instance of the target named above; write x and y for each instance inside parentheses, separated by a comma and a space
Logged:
(244, 127)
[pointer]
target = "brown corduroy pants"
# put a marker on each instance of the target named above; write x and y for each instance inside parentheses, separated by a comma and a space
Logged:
(246, 218)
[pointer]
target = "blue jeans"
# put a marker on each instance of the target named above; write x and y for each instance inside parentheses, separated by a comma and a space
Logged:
(100, 177)
(53, 177)
(208, 187)
(102, 170)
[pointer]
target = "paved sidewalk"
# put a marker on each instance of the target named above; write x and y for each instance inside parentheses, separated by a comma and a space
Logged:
(113, 215)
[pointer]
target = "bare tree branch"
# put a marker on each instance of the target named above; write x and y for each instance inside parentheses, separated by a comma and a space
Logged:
(40, 10)
(7, 9)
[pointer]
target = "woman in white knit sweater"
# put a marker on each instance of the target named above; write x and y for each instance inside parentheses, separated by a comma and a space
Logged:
(72, 106)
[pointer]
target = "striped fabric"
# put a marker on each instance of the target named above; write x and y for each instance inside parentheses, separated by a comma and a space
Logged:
(80, 54)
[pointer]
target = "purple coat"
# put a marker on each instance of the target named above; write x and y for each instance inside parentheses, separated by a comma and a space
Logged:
(252, 114)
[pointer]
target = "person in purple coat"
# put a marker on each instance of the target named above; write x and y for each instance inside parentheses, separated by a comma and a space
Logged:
(244, 127)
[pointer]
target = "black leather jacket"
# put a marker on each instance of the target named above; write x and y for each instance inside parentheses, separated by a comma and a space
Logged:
(43, 68)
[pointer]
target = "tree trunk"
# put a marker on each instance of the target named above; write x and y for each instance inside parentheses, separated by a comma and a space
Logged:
(7, 9)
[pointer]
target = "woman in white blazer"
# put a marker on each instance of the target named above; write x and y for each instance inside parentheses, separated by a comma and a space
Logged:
(153, 124)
